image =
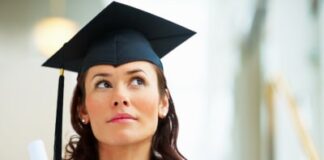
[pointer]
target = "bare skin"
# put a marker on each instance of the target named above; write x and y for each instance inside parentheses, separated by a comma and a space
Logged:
(123, 105)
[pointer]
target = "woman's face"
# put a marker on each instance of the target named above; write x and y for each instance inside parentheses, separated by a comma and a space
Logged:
(123, 103)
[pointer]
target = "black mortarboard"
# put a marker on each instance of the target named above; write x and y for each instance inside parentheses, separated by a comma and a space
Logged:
(117, 35)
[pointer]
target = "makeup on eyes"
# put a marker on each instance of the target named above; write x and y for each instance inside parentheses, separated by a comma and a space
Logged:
(104, 82)
(134, 80)
(137, 78)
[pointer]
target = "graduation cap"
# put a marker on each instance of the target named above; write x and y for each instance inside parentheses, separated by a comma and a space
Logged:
(117, 35)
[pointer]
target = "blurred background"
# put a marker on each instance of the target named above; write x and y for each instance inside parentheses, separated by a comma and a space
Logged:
(247, 86)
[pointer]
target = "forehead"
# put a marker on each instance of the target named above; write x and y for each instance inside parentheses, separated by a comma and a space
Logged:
(142, 65)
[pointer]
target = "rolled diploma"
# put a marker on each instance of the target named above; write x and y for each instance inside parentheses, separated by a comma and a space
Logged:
(37, 150)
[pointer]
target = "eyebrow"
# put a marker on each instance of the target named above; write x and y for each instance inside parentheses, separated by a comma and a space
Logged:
(101, 75)
(135, 71)
(128, 73)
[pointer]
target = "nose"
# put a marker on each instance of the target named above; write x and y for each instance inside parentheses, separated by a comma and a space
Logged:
(120, 98)
(122, 102)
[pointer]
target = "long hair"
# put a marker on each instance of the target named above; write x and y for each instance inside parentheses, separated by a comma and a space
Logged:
(84, 146)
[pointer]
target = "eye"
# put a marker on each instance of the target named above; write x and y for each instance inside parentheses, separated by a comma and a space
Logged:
(137, 81)
(103, 84)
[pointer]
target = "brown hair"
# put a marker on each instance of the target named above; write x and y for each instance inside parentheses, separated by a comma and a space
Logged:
(85, 145)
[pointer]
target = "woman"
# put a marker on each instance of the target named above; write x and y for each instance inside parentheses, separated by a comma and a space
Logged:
(125, 123)
(121, 107)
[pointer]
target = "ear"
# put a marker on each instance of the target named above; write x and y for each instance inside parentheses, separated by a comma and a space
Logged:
(164, 105)
(83, 114)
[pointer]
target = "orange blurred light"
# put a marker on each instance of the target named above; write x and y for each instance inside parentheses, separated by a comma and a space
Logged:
(51, 33)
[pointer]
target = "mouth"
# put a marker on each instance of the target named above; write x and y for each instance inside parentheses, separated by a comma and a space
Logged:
(122, 117)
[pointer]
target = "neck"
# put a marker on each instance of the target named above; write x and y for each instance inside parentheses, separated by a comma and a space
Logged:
(140, 150)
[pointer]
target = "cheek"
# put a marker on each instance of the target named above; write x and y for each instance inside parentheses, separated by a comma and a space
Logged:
(94, 103)
(146, 105)
(96, 106)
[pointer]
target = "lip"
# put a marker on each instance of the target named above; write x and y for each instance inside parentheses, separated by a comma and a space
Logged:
(121, 117)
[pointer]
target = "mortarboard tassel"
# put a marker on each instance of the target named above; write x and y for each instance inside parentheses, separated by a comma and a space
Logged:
(59, 118)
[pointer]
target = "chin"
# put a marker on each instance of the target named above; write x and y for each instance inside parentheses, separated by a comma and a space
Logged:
(123, 138)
